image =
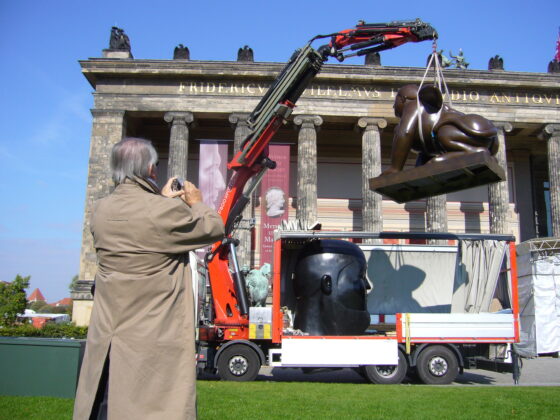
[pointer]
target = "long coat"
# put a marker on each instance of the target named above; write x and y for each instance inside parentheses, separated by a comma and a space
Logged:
(143, 315)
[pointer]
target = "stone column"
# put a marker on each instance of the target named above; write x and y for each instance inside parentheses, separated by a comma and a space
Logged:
(178, 143)
(372, 215)
(108, 128)
(498, 194)
(436, 216)
(306, 212)
(243, 233)
(552, 133)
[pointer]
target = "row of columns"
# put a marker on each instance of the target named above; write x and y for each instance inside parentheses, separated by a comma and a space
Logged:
(109, 127)
(306, 212)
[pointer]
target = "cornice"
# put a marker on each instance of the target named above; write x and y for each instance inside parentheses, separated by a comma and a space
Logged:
(98, 68)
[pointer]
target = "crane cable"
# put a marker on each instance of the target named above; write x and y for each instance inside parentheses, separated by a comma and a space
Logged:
(439, 82)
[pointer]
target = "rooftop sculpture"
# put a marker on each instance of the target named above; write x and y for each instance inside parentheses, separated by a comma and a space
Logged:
(119, 40)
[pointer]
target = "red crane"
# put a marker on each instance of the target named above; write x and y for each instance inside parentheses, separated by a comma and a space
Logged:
(230, 302)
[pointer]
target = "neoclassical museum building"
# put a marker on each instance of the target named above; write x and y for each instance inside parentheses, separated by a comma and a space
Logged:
(338, 137)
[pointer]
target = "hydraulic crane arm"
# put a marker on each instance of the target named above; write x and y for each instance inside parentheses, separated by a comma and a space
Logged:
(373, 37)
(251, 162)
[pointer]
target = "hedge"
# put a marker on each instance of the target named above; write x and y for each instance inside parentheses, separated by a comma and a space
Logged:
(66, 330)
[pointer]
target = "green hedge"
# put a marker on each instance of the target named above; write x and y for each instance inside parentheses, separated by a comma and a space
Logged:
(67, 330)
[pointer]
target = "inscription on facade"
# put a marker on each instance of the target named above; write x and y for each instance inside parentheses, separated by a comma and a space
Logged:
(368, 92)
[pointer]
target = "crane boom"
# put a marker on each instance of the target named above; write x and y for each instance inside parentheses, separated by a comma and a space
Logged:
(251, 162)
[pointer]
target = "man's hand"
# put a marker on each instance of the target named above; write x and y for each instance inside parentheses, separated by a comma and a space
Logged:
(168, 192)
(192, 195)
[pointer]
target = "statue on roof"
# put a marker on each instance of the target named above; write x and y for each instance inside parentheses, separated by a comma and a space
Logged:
(444, 61)
(245, 54)
(119, 40)
(373, 59)
(181, 53)
(459, 60)
(496, 63)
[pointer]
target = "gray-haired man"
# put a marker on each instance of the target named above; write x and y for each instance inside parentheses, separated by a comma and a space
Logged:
(143, 316)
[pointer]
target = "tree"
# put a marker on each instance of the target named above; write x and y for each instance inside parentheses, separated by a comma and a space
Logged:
(13, 299)
(73, 283)
(62, 309)
(38, 306)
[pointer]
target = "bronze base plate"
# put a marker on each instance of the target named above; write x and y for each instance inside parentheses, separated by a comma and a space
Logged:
(454, 173)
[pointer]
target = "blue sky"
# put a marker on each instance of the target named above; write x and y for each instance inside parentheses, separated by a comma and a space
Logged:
(45, 120)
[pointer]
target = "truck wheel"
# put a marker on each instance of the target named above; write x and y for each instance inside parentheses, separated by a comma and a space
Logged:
(238, 363)
(387, 374)
(437, 365)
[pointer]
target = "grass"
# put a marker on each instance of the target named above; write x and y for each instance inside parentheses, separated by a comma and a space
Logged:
(319, 401)
(35, 408)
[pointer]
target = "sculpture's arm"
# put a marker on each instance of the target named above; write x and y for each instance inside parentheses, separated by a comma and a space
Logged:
(404, 137)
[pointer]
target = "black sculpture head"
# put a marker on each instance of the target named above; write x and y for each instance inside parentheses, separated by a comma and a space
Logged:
(330, 288)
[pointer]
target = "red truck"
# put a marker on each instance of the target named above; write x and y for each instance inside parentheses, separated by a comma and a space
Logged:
(326, 291)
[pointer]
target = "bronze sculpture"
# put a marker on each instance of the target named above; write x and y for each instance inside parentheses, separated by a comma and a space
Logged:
(496, 63)
(181, 53)
(459, 60)
(435, 130)
(245, 54)
(119, 40)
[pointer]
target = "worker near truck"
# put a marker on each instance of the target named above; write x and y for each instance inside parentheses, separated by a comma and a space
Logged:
(140, 354)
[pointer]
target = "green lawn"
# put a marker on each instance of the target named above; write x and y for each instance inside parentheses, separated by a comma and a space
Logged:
(320, 401)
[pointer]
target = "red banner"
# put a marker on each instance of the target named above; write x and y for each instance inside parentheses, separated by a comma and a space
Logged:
(274, 198)
(212, 171)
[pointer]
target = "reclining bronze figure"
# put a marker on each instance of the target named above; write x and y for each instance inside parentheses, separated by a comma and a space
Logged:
(434, 130)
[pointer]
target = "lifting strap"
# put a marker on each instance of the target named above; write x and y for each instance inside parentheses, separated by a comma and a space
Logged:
(439, 82)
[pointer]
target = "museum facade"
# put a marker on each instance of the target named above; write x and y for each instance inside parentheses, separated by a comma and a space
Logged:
(338, 137)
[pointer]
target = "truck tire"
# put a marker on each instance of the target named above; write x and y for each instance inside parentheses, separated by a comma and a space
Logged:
(437, 365)
(238, 362)
(387, 374)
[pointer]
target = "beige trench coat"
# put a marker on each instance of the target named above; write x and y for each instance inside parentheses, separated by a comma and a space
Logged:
(143, 315)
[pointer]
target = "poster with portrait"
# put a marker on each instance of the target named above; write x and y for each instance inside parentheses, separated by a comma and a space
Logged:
(212, 171)
(274, 198)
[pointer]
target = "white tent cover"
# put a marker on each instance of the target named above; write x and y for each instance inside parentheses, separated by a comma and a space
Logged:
(539, 302)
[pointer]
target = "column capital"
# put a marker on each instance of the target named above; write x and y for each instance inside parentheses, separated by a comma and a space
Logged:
(369, 123)
(504, 125)
(551, 130)
(179, 117)
(238, 118)
(307, 120)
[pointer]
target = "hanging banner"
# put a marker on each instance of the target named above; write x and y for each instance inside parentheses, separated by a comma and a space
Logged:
(212, 171)
(274, 198)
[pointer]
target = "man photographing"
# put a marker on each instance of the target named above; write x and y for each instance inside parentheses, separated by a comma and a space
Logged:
(140, 355)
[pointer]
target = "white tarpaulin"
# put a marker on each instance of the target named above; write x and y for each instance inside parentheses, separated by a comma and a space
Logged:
(433, 279)
(413, 279)
(539, 300)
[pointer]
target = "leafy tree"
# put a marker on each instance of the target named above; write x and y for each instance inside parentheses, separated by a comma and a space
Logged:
(62, 309)
(73, 283)
(13, 299)
(39, 306)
